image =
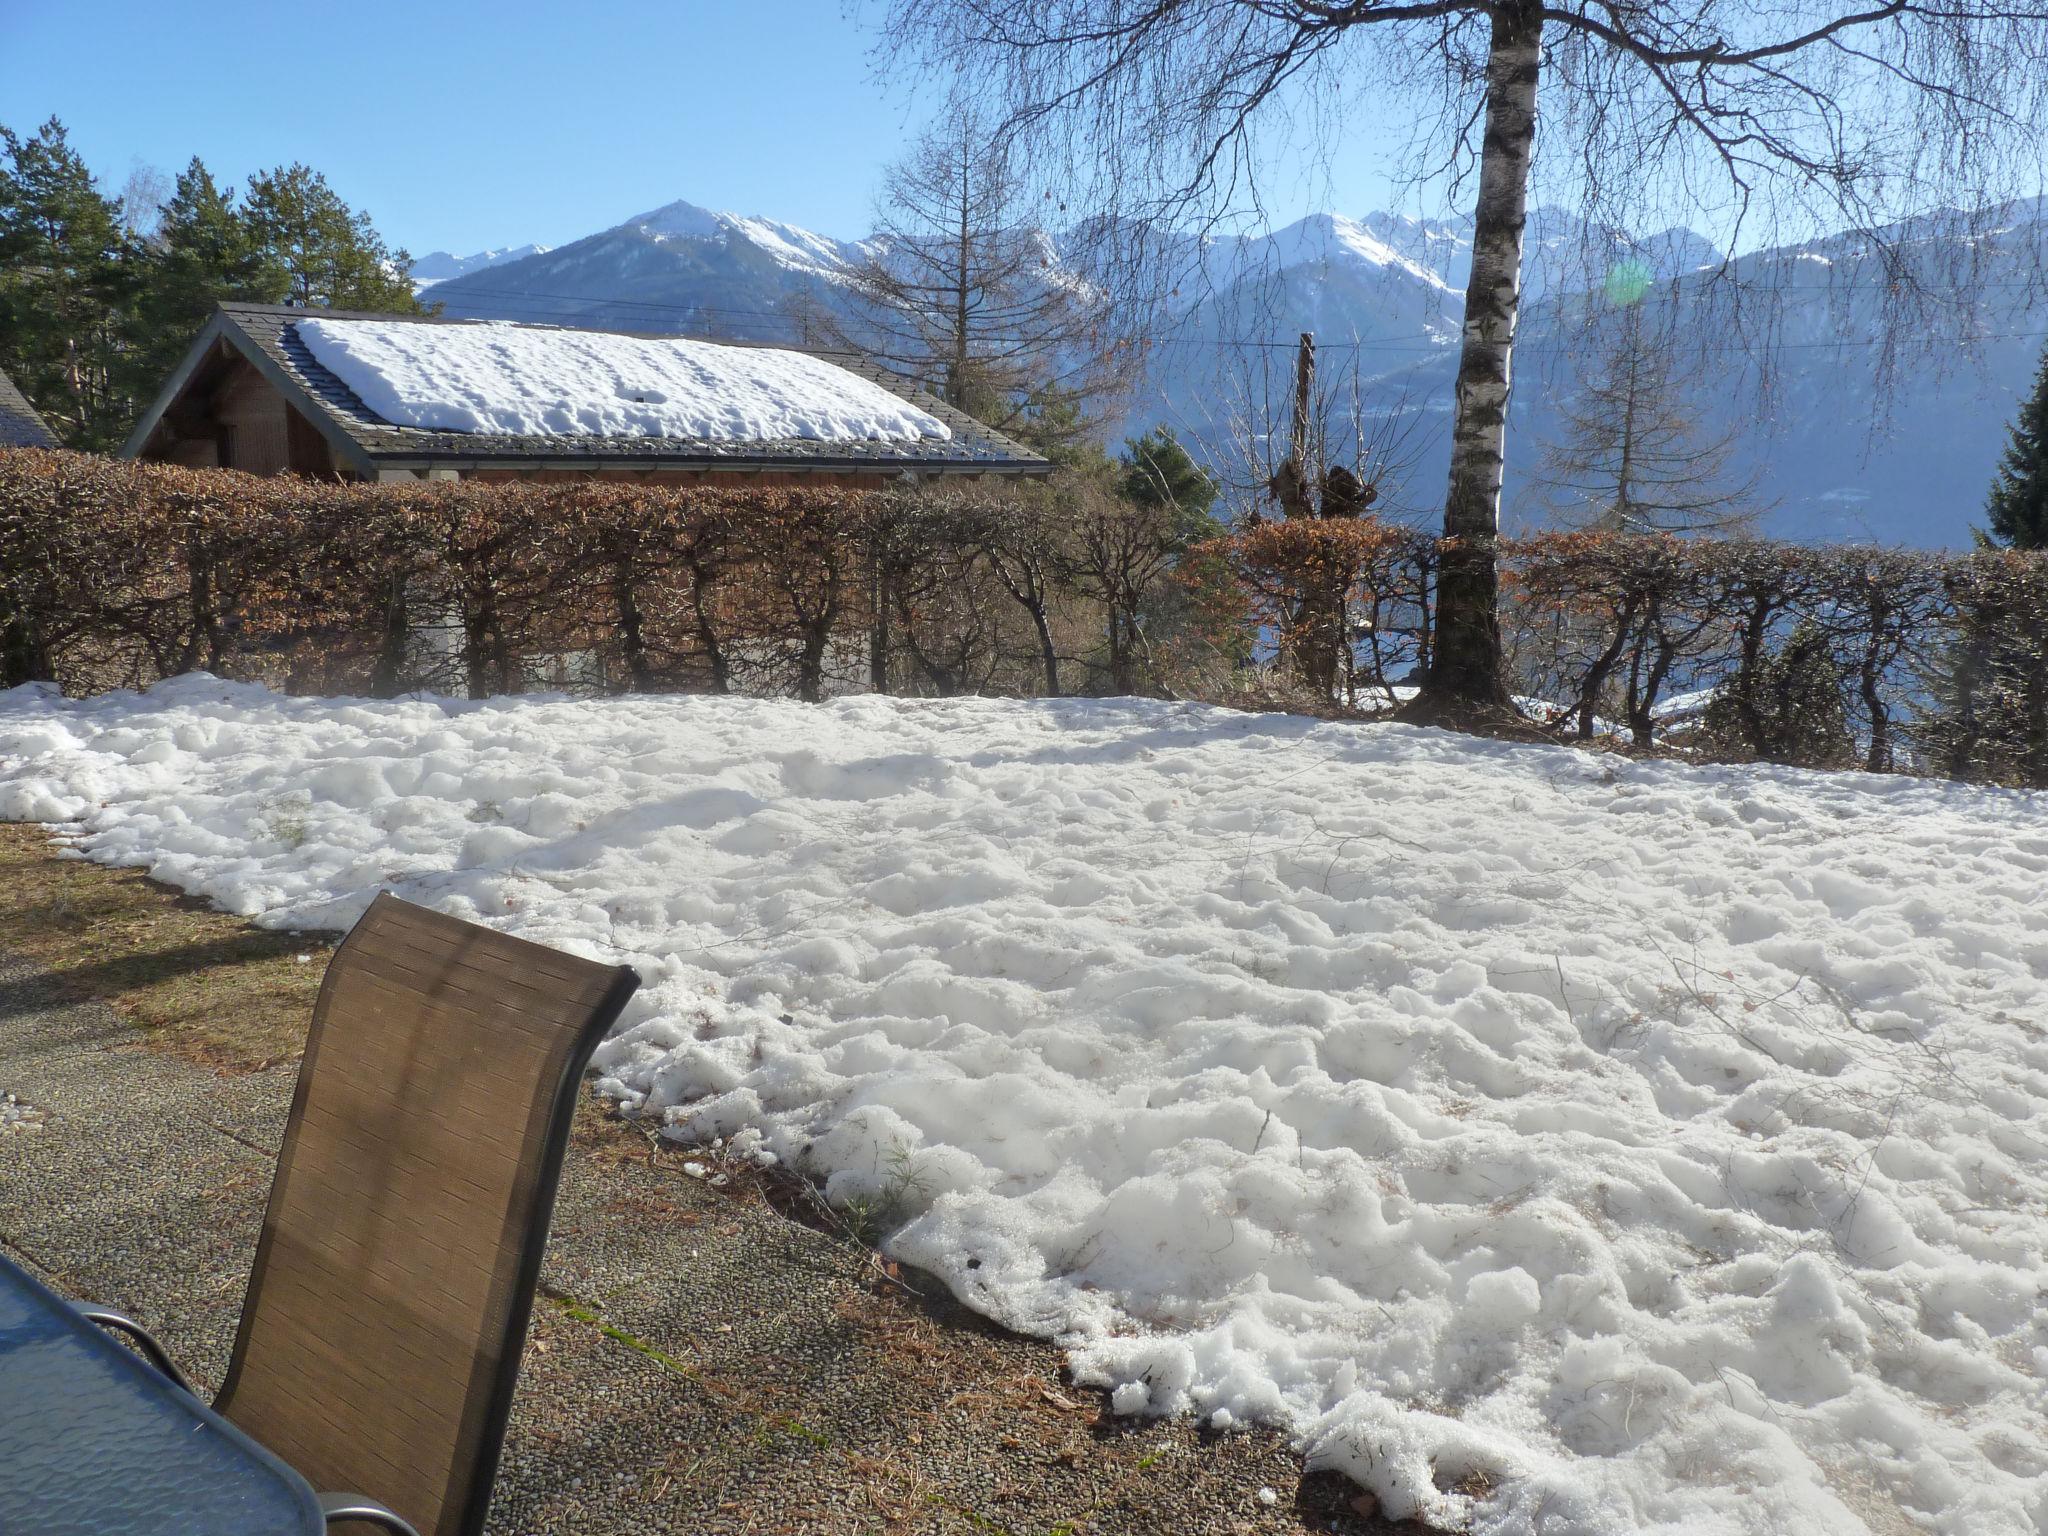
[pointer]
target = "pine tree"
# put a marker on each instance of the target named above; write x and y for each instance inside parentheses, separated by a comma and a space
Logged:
(1990, 687)
(66, 277)
(205, 250)
(2018, 505)
(1990, 683)
(1052, 423)
(332, 255)
(1158, 472)
(1174, 500)
(1796, 710)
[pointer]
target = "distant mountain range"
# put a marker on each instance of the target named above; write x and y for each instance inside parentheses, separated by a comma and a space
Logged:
(439, 266)
(1847, 437)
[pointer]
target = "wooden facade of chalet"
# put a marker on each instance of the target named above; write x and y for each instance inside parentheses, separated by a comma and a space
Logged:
(250, 395)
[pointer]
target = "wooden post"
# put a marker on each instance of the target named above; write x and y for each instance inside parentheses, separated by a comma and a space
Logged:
(1304, 390)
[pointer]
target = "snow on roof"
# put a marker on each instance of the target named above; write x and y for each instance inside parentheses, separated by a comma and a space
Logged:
(533, 381)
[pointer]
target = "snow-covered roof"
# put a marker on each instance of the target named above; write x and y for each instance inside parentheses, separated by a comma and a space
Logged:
(544, 381)
(415, 393)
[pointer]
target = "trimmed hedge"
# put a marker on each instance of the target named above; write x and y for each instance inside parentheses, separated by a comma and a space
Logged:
(1756, 649)
(115, 574)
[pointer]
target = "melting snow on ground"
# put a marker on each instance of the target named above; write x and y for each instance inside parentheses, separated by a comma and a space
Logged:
(1552, 1142)
(535, 381)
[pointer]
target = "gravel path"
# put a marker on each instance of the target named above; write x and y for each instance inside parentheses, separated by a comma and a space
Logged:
(699, 1362)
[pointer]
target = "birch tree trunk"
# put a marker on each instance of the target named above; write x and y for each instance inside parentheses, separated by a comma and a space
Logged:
(395, 642)
(1465, 668)
(878, 617)
(632, 630)
(1870, 682)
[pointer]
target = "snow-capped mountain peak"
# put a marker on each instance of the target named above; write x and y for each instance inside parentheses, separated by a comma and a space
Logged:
(1326, 237)
(679, 220)
(789, 245)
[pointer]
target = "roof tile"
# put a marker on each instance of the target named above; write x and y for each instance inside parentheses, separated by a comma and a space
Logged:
(20, 426)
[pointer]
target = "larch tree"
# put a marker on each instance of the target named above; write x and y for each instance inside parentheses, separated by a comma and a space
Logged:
(1631, 455)
(961, 288)
(1805, 112)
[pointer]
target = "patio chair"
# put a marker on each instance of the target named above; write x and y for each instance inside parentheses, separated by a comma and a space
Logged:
(388, 1305)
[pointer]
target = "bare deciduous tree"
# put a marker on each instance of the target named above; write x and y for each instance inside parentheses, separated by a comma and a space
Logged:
(962, 291)
(1022, 539)
(1797, 108)
(1631, 455)
(1115, 554)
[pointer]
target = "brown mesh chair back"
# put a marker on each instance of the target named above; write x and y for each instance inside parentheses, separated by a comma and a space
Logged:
(389, 1300)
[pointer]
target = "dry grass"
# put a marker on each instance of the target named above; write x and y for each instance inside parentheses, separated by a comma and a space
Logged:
(202, 985)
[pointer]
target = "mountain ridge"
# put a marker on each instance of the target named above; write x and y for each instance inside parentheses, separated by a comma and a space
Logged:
(1845, 441)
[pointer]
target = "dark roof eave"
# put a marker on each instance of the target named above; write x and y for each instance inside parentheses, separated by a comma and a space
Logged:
(730, 464)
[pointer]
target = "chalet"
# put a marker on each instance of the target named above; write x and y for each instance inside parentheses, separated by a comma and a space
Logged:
(20, 426)
(331, 393)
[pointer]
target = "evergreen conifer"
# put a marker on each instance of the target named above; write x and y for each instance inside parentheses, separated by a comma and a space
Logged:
(66, 278)
(331, 254)
(205, 251)
(2018, 506)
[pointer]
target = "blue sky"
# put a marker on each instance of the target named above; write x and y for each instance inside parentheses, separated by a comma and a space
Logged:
(461, 126)
(465, 126)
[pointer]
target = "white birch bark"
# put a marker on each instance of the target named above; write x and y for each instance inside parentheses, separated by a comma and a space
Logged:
(1465, 672)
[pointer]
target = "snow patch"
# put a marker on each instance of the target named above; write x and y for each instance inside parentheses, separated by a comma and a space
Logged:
(439, 266)
(1551, 1142)
(1327, 237)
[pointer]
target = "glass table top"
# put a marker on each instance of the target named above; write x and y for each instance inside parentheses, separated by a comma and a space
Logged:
(96, 1442)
